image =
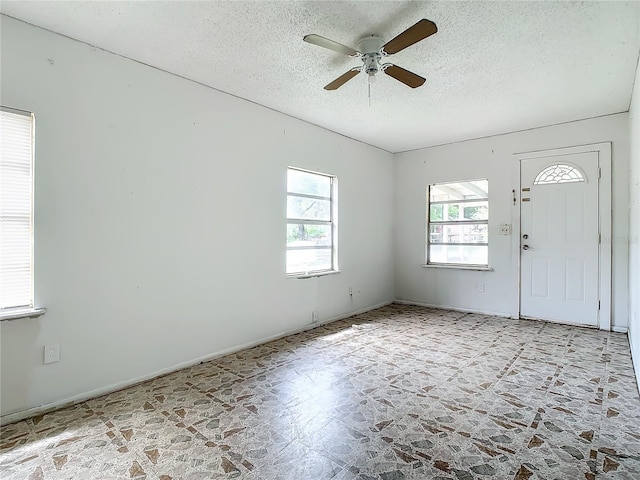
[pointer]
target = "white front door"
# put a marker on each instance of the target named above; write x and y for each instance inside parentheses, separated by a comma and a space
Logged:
(559, 238)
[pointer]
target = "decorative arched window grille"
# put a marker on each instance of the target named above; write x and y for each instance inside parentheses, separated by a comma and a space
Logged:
(559, 173)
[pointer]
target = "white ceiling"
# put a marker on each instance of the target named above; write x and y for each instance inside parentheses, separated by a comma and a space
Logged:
(493, 67)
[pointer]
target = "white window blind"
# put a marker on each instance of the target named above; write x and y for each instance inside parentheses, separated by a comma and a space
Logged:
(16, 210)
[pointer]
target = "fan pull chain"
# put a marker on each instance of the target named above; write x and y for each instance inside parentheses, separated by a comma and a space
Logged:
(369, 85)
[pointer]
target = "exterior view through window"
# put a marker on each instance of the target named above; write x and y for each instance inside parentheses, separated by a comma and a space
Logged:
(457, 223)
(16, 211)
(311, 225)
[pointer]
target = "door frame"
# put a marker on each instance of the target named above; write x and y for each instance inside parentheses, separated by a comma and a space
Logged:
(603, 151)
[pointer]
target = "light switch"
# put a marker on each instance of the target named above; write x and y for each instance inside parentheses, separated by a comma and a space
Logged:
(505, 229)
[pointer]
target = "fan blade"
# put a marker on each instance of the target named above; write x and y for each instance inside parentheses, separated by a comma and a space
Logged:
(404, 76)
(330, 44)
(342, 79)
(411, 35)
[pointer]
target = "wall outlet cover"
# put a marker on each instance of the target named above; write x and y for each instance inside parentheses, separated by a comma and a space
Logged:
(51, 353)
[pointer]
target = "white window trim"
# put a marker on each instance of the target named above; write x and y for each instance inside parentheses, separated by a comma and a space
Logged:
(303, 276)
(459, 266)
(28, 311)
(456, 266)
(22, 313)
(334, 228)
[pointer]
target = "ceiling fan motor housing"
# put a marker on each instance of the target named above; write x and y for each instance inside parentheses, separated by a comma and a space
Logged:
(370, 48)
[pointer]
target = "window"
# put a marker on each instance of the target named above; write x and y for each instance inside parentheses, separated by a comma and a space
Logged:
(16, 212)
(559, 173)
(311, 223)
(457, 223)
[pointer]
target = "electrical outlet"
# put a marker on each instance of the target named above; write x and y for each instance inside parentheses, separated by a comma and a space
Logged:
(51, 353)
(314, 317)
(358, 289)
(480, 287)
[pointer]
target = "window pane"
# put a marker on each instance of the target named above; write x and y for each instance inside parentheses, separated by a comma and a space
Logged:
(310, 226)
(459, 233)
(451, 212)
(459, 191)
(303, 235)
(308, 260)
(16, 159)
(459, 254)
(15, 188)
(15, 263)
(308, 183)
(308, 208)
(559, 174)
(475, 211)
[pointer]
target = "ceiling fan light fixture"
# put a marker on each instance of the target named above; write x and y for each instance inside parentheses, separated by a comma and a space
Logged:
(372, 48)
(371, 63)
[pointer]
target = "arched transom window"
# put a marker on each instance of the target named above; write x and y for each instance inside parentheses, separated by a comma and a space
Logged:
(559, 173)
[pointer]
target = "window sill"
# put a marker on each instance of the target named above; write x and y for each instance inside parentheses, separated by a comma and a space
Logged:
(312, 275)
(482, 268)
(26, 313)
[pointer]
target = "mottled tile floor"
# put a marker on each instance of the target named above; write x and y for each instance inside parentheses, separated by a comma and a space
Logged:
(401, 392)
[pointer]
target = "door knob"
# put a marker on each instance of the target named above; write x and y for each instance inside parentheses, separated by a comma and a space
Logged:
(525, 247)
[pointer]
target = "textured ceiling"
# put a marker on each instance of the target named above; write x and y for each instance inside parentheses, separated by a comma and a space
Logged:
(493, 67)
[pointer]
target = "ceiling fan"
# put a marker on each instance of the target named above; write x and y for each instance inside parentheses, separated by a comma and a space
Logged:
(372, 49)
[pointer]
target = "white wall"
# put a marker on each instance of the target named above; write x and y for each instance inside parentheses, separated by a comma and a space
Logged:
(634, 226)
(493, 158)
(160, 220)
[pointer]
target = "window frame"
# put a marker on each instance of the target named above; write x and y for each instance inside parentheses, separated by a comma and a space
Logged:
(428, 243)
(26, 311)
(332, 223)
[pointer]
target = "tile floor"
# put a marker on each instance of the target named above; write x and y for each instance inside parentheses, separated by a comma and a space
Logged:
(401, 392)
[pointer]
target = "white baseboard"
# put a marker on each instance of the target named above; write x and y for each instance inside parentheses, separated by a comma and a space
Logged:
(98, 392)
(635, 359)
(619, 329)
(495, 314)
(355, 312)
(455, 309)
